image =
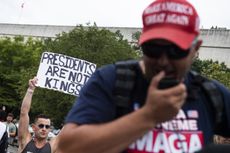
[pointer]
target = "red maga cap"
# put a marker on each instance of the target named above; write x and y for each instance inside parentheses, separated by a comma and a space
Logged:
(174, 20)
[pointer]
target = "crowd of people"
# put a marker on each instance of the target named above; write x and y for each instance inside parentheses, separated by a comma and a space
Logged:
(154, 104)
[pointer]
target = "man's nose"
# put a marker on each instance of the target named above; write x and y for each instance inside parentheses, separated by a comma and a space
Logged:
(163, 60)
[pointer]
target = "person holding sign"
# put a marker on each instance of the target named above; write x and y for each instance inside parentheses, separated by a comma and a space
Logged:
(41, 127)
(156, 104)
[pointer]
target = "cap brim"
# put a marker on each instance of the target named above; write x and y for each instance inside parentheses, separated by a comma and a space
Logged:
(176, 36)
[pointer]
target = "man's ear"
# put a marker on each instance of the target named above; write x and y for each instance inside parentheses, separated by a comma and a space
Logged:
(198, 44)
(33, 127)
(195, 49)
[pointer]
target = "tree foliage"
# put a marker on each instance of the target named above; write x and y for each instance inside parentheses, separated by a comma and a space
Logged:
(18, 56)
(213, 70)
(99, 46)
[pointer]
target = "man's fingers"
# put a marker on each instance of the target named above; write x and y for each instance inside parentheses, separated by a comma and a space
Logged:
(33, 82)
(177, 90)
(155, 80)
(179, 98)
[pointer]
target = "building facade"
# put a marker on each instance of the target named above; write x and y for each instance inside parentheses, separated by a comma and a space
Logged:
(216, 41)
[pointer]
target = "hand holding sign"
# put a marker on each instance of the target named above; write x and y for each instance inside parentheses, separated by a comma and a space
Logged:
(63, 73)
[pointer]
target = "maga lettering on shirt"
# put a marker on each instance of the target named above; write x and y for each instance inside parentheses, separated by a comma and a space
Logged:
(178, 135)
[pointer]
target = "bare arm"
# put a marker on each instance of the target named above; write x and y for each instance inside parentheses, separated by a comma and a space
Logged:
(23, 130)
(53, 144)
(116, 136)
(104, 138)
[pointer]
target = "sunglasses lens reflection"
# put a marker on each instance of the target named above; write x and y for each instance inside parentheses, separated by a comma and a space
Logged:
(41, 126)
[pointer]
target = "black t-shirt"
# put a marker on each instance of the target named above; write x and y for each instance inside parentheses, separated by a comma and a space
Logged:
(30, 147)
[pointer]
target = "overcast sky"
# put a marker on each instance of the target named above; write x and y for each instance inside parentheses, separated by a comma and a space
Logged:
(108, 13)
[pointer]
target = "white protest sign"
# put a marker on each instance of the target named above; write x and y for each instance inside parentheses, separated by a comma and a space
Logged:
(63, 73)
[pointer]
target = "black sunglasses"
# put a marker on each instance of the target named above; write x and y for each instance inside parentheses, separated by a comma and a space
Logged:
(172, 51)
(41, 126)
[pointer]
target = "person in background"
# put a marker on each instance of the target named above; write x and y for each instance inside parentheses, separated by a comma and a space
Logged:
(11, 128)
(15, 142)
(37, 143)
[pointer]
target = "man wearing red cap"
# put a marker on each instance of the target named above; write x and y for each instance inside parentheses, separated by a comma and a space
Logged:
(166, 111)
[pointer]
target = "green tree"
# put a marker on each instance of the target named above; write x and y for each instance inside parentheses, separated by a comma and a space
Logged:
(213, 70)
(135, 45)
(99, 46)
(17, 57)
